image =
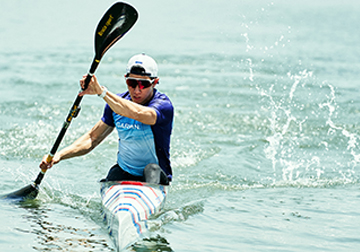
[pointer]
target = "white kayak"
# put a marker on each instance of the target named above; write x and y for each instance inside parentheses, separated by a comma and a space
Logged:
(127, 205)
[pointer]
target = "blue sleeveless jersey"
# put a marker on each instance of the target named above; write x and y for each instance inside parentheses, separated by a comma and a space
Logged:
(141, 144)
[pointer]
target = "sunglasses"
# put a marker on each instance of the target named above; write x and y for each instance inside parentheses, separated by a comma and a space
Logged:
(143, 83)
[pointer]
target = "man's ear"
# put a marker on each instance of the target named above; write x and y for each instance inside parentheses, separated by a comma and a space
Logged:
(156, 81)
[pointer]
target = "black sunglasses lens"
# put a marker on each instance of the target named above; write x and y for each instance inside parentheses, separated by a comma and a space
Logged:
(142, 83)
(132, 83)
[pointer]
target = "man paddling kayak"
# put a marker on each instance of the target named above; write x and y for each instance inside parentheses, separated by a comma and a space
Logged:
(143, 118)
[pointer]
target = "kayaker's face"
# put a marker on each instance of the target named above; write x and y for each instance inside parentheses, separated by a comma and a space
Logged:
(141, 94)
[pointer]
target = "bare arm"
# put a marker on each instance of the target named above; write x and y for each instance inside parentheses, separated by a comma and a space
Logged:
(130, 109)
(122, 106)
(81, 146)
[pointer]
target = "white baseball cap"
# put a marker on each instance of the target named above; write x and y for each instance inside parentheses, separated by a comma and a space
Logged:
(142, 64)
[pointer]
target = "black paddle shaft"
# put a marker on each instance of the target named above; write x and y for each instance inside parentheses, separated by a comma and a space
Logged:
(74, 111)
(114, 24)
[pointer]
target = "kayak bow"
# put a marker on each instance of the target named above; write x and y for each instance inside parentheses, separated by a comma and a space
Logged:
(127, 205)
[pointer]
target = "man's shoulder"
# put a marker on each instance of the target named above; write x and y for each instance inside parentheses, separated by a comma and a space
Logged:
(162, 104)
(158, 96)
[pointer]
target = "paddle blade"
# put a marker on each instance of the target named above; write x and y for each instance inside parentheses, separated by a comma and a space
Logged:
(25, 193)
(115, 23)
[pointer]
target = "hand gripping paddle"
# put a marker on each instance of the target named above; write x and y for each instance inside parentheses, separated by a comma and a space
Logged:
(115, 23)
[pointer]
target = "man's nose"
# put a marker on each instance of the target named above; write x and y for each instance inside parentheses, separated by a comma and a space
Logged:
(137, 89)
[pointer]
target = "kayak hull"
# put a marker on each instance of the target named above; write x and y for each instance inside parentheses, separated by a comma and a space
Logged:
(127, 205)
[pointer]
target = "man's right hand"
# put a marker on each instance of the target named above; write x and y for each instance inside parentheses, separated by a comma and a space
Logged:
(45, 164)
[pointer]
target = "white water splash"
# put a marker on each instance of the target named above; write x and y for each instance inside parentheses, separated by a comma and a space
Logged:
(251, 73)
(331, 105)
(297, 78)
(290, 132)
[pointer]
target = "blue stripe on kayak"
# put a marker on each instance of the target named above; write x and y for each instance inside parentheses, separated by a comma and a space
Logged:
(140, 195)
(131, 190)
(162, 188)
(138, 192)
(119, 207)
(112, 197)
(152, 202)
(136, 225)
